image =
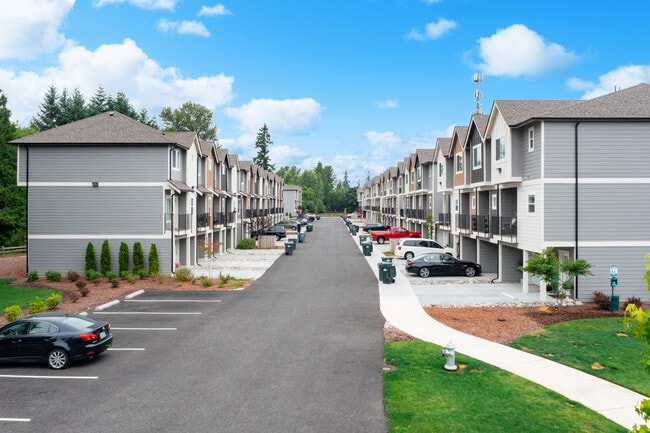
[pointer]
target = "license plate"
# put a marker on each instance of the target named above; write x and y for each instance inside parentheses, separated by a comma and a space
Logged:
(102, 335)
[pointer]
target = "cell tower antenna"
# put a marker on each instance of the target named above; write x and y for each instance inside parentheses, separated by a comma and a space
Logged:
(478, 79)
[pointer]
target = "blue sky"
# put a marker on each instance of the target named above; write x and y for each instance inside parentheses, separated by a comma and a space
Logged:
(356, 84)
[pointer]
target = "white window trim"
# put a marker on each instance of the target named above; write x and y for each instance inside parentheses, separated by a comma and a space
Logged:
(176, 159)
(496, 149)
(531, 204)
(495, 201)
(531, 139)
(459, 158)
(473, 202)
(477, 162)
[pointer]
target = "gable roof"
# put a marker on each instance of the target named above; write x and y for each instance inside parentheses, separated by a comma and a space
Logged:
(110, 127)
(444, 144)
(183, 138)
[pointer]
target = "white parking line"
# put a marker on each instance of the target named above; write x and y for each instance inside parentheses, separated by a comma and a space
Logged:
(172, 300)
(23, 376)
(126, 349)
(148, 312)
(143, 329)
(15, 419)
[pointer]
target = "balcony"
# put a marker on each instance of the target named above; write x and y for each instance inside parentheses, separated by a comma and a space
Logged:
(505, 227)
(481, 225)
(463, 223)
(181, 223)
(202, 221)
(444, 219)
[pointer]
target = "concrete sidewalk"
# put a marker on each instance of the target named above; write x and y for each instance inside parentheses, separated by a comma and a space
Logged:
(402, 309)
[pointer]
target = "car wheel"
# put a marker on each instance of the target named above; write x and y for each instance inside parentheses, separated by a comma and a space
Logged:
(408, 255)
(57, 359)
(381, 240)
(470, 271)
(425, 272)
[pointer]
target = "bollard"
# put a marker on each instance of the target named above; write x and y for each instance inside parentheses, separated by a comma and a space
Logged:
(449, 352)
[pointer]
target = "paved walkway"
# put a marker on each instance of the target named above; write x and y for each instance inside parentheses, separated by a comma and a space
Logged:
(403, 309)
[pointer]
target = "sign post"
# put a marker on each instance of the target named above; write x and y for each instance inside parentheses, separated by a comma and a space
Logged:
(613, 282)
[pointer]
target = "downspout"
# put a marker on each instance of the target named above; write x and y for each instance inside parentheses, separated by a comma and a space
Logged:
(576, 201)
(499, 222)
(26, 207)
(172, 209)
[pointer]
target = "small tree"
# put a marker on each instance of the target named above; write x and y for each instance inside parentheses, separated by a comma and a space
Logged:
(123, 259)
(138, 258)
(638, 321)
(262, 143)
(430, 226)
(153, 260)
(105, 258)
(559, 276)
(91, 259)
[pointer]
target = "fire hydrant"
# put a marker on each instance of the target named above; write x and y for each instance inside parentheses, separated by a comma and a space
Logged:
(449, 352)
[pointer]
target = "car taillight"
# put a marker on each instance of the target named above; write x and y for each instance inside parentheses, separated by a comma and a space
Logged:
(88, 337)
(108, 327)
(399, 247)
(410, 263)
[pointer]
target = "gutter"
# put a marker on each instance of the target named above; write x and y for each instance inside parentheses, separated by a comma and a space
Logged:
(576, 207)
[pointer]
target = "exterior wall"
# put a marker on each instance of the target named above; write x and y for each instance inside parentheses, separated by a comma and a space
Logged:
(531, 161)
(529, 224)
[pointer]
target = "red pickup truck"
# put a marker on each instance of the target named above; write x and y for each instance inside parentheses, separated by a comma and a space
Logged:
(393, 233)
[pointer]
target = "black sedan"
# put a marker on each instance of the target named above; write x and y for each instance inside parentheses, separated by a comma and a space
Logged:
(374, 226)
(278, 230)
(55, 338)
(439, 264)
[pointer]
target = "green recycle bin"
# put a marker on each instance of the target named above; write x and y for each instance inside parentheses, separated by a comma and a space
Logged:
(614, 304)
(362, 238)
(387, 272)
(310, 228)
(288, 248)
(387, 259)
(301, 238)
(367, 248)
(353, 229)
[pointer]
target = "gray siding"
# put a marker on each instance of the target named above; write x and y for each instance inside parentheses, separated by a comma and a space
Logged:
(65, 255)
(530, 161)
(607, 212)
(95, 163)
(559, 160)
(512, 258)
(489, 254)
(102, 210)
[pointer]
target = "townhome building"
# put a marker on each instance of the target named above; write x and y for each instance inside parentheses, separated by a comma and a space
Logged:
(109, 177)
(565, 174)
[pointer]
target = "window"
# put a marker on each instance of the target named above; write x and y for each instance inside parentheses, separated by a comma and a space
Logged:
(531, 139)
(477, 156)
(500, 149)
(495, 202)
(176, 159)
(459, 162)
(531, 204)
(441, 169)
(456, 205)
(473, 202)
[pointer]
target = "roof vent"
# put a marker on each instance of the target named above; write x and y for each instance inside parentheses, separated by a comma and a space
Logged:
(110, 113)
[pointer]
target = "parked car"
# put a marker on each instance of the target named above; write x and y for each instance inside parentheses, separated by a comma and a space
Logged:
(368, 227)
(381, 236)
(278, 230)
(441, 264)
(54, 338)
(413, 247)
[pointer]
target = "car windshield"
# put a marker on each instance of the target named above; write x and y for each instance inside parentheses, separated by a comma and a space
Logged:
(79, 322)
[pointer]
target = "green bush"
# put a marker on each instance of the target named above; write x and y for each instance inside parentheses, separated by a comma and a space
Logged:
(142, 274)
(32, 276)
(91, 259)
(73, 276)
(138, 258)
(38, 306)
(53, 276)
(153, 260)
(80, 284)
(603, 300)
(93, 275)
(110, 275)
(105, 258)
(184, 274)
(206, 281)
(246, 244)
(53, 301)
(123, 259)
(13, 312)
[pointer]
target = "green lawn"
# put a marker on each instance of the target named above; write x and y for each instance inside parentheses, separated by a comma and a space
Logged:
(420, 396)
(601, 347)
(15, 295)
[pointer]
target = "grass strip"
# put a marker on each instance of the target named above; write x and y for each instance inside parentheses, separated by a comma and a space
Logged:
(22, 296)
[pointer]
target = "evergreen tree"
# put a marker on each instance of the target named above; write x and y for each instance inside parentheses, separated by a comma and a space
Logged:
(12, 197)
(98, 103)
(153, 260)
(138, 258)
(123, 259)
(49, 113)
(91, 258)
(121, 104)
(105, 258)
(262, 144)
(77, 107)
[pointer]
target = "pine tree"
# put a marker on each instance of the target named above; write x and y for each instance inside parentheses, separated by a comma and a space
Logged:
(123, 259)
(105, 258)
(98, 103)
(262, 144)
(91, 259)
(153, 260)
(138, 258)
(49, 113)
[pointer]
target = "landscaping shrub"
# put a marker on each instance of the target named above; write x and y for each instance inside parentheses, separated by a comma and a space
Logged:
(91, 259)
(80, 284)
(74, 296)
(184, 274)
(206, 281)
(153, 260)
(142, 274)
(138, 258)
(32, 276)
(633, 300)
(123, 259)
(83, 288)
(105, 258)
(38, 306)
(246, 244)
(53, 276)
(13, 312)
(93, 276)
(603, 300)
(115, 282)
(73, 276)
(110, 275)
(53, 301)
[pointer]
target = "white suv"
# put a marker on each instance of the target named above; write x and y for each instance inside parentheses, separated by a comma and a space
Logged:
(413, 247)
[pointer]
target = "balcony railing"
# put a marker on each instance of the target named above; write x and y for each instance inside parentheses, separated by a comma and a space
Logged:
(202, 220)
(444, 219)
(506, 227)
(463, 222)
(481, 225)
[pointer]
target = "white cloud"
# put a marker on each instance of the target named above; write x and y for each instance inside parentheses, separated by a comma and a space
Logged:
(519, 51)
(286, 117)
(214, 10)
(31, 27)
(388, 103)
(620, 78)
(115, 67)
(142, 4)
(285, 155)
(432, 30)
(183, 27)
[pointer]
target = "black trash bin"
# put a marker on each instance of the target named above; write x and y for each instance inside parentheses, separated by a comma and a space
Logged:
(367, 248)
(288, 248)
(387, 272)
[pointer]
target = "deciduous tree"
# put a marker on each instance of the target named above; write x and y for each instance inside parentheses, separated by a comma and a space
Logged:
(190, 117)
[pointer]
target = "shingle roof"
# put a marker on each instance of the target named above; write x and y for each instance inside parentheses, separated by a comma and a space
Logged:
(425, 156)
(445, 146)
(104, 128)
(183, 138)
